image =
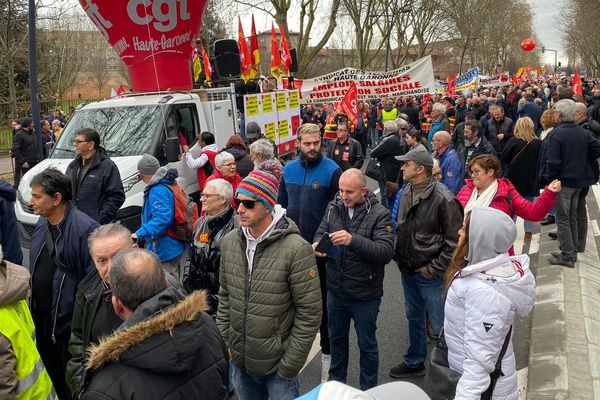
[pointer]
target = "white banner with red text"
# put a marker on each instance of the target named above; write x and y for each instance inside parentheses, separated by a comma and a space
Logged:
(414, 79)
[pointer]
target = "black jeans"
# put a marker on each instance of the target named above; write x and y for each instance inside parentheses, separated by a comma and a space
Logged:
(55, 357)
(323, 329)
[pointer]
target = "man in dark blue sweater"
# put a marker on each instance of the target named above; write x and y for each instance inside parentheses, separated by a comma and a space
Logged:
(565, 160)
(308, 185)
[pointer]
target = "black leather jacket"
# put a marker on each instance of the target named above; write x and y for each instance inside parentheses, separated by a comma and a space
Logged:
(428, 231)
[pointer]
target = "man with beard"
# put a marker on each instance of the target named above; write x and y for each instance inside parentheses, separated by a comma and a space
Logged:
(307, 187)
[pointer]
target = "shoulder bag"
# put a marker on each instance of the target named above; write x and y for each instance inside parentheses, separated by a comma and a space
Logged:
(441, 380)
(373, 170)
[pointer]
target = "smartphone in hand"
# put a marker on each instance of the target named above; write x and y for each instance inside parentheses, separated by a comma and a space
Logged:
(324, 244)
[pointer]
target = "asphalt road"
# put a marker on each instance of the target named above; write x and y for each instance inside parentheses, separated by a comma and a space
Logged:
(392, 332)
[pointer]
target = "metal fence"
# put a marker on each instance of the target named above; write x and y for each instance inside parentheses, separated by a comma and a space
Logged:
(5, 140)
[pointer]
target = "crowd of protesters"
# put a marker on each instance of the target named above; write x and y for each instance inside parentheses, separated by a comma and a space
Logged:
(229, 300)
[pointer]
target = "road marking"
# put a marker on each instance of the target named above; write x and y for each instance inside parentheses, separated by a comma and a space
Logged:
(314, 350)
(376, 191)
(522, 378)
(534, 247)
(595, 228)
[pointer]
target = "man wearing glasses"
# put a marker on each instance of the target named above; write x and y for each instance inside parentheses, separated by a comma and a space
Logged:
(269, 297)
(95, 179)
(345, 151)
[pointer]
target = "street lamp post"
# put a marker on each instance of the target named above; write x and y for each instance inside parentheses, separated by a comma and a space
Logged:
(33, 80)
(462, 55)
(544, 49)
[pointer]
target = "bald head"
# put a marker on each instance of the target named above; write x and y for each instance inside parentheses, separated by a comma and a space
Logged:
(580, 113)
(355, 176)
(136, 275)
(443, 137)
(353, 188)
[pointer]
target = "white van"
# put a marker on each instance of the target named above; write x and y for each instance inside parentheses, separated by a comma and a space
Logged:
(130, 126)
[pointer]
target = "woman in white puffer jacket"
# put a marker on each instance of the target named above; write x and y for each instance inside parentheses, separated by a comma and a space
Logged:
(486, 287)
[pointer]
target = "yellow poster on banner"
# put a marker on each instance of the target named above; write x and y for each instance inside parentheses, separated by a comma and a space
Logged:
(284, 129)
(251, 106)
(267, 103)
(270, 129)
(294, 100)
(281, 103)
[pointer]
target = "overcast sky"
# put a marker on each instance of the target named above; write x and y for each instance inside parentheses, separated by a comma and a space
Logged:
(544, 26)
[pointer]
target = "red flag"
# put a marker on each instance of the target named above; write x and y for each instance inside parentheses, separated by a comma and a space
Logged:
(206, 61)
(577, 89)
(424, 102)
(286, 57)
(254, 51)
(120, 90)
(275, 56)
(349, 104)
(451, 80)
(245, 60)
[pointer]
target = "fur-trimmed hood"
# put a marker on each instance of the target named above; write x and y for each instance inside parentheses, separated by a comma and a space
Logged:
(159, 337)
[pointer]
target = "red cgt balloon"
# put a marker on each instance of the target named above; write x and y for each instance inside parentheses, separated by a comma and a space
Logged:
(528, 45)
(153, 38)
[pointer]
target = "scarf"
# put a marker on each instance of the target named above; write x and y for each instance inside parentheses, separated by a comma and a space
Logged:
(202, 231)
(484, 199)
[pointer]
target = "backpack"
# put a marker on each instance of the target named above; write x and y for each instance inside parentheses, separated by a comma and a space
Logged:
(186, 215)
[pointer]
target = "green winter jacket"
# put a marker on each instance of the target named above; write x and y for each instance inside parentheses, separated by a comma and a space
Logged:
(269, 318)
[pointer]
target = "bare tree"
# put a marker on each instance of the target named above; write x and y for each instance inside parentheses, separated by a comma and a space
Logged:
(99, 57)
(581, 36)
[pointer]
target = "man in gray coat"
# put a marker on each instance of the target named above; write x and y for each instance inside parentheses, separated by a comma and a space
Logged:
(362, 238)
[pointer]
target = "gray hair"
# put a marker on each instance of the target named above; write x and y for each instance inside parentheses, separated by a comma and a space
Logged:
(222, 188)
(567, 109)
(496, 107)
(108, 230)
(222, 158)
(439, 107)
(401, 123)
(136, 275)
(390, 126)
(263, 148)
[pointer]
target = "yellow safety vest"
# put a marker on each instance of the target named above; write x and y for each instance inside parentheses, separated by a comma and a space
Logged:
(389, 115)
(33, 380)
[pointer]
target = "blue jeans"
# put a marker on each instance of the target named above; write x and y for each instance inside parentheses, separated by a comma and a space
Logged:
(421, 295)
(528, 225)
(387, 203)
(268, 387)
(340, 311)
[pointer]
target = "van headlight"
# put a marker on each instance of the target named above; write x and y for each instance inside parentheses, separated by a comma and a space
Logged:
(130, 182)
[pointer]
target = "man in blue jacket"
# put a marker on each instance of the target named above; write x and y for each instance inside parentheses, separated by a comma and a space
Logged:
(452, 172)
(59, 260)
(158, 214)
(307, 187)
(9, 240)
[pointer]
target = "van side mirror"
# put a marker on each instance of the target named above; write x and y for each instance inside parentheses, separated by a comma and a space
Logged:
(49, 146)
(172, 149)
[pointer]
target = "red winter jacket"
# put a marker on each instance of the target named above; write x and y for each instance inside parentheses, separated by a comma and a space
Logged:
(507, 199)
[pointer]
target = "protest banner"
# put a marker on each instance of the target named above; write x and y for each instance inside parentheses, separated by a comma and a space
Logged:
(413, 79)
(494, 81)
(468, 81)
(277, 114)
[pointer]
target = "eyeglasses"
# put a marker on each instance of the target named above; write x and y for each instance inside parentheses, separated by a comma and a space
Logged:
(76, 141)
(249, 204)
(231, 164)
(477, 172)
(207, 195)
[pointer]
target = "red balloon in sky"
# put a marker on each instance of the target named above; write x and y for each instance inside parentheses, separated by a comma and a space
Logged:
(154, 38)
(528, 45)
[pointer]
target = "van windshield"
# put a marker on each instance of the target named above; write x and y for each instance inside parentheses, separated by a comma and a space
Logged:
(124, 131)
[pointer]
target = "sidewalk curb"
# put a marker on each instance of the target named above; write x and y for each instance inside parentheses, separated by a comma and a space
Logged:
(564, 357)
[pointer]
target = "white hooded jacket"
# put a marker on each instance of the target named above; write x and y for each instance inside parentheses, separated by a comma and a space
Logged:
(481, 305)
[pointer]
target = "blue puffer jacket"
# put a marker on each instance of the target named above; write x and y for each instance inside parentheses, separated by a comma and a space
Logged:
(305, 191)
(11, 247)
(158, 214)
(452, 170)
(73, 253)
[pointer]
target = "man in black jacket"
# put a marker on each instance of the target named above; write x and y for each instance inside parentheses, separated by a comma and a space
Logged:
(429, 218)
(361, 232)
(168, 346)
(472, 144)
(97, 187)
(94, 316)
(499, 128)
(59, 260)
(345, 151)
(569, 157)
(391, 146)
(24, 149)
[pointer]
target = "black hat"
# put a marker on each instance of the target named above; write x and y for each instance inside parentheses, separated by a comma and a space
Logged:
(26, 122)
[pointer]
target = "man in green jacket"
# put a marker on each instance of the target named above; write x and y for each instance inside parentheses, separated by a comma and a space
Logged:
(269, 297)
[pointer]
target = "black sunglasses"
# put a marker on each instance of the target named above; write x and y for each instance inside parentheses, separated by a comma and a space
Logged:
(248, 204)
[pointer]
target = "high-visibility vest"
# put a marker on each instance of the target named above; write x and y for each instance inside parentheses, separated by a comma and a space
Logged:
(391, 115)
(33, 381)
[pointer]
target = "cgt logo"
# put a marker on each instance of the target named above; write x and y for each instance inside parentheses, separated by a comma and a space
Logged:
(165, 12)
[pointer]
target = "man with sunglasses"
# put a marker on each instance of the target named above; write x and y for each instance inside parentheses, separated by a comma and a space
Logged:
(308, 185)
(269, 297)
(95, 179)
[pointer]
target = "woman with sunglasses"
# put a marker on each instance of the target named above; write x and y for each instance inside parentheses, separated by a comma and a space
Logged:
(225, 168)
(486, 189)
(487, 289)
